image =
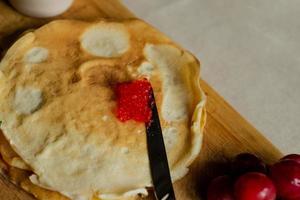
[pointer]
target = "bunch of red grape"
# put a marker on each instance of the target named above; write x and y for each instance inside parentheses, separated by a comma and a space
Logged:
(252, 179)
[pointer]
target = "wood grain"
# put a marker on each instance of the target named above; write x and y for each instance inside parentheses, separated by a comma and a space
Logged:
(9, 191)
(226, 133)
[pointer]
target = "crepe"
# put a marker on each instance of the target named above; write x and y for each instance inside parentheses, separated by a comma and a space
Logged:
(57, 107)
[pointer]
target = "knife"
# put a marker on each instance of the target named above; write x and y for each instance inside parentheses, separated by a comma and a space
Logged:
(159, 167)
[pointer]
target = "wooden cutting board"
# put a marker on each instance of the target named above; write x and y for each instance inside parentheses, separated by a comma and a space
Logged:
(226, 133)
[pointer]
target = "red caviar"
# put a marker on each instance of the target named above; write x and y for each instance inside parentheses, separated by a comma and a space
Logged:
(133, 101)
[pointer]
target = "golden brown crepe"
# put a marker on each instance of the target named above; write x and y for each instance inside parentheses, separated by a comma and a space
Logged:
(57, 108)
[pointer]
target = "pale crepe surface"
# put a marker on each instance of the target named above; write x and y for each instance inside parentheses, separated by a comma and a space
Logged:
(57, 106)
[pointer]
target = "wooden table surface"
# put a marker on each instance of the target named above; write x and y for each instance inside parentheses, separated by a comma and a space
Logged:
(226, 133)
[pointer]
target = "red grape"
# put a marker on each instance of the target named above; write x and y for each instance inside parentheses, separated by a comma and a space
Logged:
(221, 188)
(247, 162)
(295, 157)
(286, 176)
(254, 186)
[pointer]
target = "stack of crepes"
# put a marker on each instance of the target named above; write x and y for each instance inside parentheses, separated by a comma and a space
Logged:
(61, 138)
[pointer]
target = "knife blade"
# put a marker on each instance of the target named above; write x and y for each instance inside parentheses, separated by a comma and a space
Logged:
(158, 160)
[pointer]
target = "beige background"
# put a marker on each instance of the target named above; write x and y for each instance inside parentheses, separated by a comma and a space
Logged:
(250, 53)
